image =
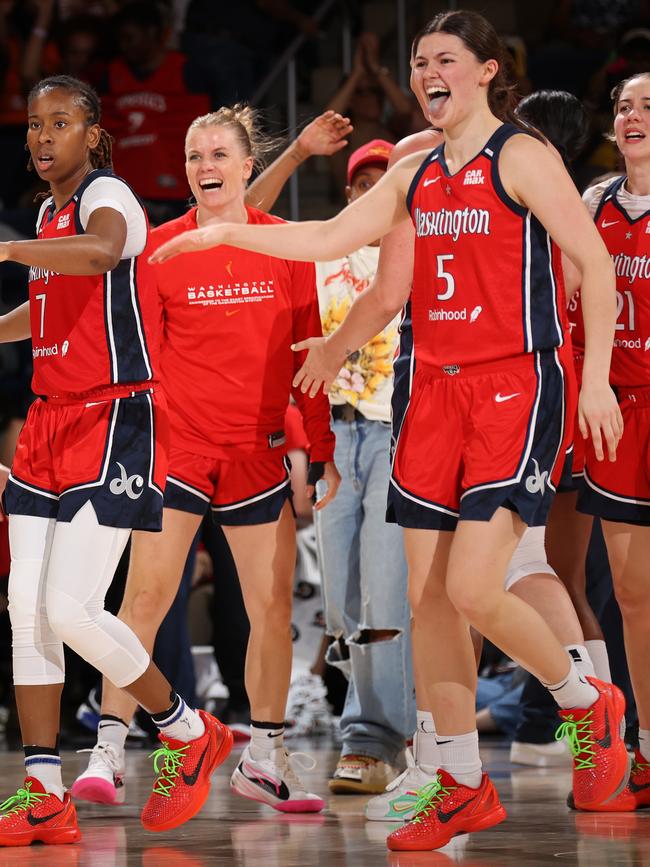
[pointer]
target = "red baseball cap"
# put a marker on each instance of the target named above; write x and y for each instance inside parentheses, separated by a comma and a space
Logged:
(376, 152)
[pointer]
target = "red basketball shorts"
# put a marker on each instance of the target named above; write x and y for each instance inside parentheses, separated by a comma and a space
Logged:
(248, 491)
(482, 437)
(620, 490)
(106, 449)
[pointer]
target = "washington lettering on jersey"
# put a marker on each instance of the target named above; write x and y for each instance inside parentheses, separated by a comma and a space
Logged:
(41, 274)
(632, 267)
(468, 221)
(245, 291)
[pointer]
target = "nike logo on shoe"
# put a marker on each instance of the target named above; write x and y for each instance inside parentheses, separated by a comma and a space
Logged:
(190, 779)
(500, 398)
(276, 788)
(445, 817)
(606, 741)
(637, 787)
(39, 820)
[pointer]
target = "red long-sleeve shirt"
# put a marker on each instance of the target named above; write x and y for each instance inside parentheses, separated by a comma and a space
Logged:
(230, 317)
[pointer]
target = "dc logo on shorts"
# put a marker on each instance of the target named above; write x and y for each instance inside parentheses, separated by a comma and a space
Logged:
(125, 484)
(536, 483)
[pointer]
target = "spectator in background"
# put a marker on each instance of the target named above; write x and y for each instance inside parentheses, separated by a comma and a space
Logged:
(366, 95)
(152, 94)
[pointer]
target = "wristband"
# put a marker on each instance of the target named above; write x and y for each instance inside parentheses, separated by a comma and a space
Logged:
(315, 472)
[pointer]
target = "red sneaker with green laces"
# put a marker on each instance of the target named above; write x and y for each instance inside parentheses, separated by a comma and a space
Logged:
(444, 809)
(183, 783)
(595, 735)
(636, 795)
(33, 814)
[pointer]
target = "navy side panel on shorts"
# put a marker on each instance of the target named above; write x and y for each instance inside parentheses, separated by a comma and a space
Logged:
(403, 372)
(125, 494)
(182, 496)
(21, 498)
(263, 508)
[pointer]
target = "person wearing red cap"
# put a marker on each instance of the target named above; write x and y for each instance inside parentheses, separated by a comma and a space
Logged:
(362, 557)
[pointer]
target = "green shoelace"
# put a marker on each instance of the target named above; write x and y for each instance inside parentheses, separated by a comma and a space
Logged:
(429, 797)
(580, 740)
(22, 800)
(167, 776)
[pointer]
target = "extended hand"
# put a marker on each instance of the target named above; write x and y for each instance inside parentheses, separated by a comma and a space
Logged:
(188, 242)
(319, 369)
(325, 135)
(332, 479)
(599, 416)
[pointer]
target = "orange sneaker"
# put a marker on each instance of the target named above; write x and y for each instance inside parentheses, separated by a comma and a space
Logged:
(445, 809)
(595, 735)
(183, 783)
(33, 814)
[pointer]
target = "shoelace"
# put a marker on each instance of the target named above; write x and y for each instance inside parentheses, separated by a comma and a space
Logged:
(410, 768)
(580, 740)
(639, 766)
(171, 768)
(289, 759)
(429, 797)
(22, 800)
(101, 755)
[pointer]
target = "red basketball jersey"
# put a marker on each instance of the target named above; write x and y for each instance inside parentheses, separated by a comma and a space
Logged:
(628, 242)
(230, 317)
(486, 284)
(89, 332)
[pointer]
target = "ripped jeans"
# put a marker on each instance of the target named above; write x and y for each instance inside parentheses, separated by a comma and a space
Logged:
(364, 585)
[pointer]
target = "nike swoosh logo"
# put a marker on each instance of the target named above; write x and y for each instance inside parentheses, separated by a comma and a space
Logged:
(501, 398)
(605, 224)
(442, 742)
(638, 787)
(606, 741)
(430, 181)
(280, 791)
(445, 817)
(190, 779)
(38, 820)
(231, 312)
(402, 806)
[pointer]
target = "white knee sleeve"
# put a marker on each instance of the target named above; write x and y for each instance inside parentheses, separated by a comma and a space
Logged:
(82, 564)
(529, 557)
(37, 650)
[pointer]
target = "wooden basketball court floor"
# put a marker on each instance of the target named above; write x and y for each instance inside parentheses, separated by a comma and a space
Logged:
(233, 832)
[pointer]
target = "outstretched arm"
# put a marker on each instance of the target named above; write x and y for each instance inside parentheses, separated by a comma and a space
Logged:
(552, 197)
(97, 251)
(15, 324)
(324, 136)
(369, 217)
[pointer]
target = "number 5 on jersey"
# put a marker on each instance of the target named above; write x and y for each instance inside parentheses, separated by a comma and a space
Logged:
(441, 260)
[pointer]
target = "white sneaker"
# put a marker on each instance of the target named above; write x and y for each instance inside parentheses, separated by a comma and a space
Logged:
(103, 781)
(397, 804)
(551, 755)
(273, 781)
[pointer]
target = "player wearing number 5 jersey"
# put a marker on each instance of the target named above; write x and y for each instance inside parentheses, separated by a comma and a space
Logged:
(496, 406)
(90, 466)
(620, 495)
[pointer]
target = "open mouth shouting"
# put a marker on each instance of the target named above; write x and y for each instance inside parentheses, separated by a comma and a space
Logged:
(43, 161)
(208, 184)
(438, 97)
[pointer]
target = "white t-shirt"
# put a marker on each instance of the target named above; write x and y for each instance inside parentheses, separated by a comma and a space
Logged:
(633, 205)
(107, 192)
(366, 379)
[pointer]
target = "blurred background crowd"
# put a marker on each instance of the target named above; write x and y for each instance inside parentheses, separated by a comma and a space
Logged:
(157, 65)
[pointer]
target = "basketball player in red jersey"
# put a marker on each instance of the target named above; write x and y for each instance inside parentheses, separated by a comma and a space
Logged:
(620, 496)
(478, 453)
(230, 318)
(90, 465)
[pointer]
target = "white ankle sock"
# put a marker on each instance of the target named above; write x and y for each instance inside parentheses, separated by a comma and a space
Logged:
(265, 736)
(600, 658)
(180, 722)
(46, 768)
(425, 746)
(460, 757)
(644, 743)
(580, 655)
(112, 730)
(573, 690)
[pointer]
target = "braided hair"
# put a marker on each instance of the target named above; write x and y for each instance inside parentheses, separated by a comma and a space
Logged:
(101, 156)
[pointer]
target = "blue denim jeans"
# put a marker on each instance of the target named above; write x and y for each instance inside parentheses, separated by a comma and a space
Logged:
(364, 586)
